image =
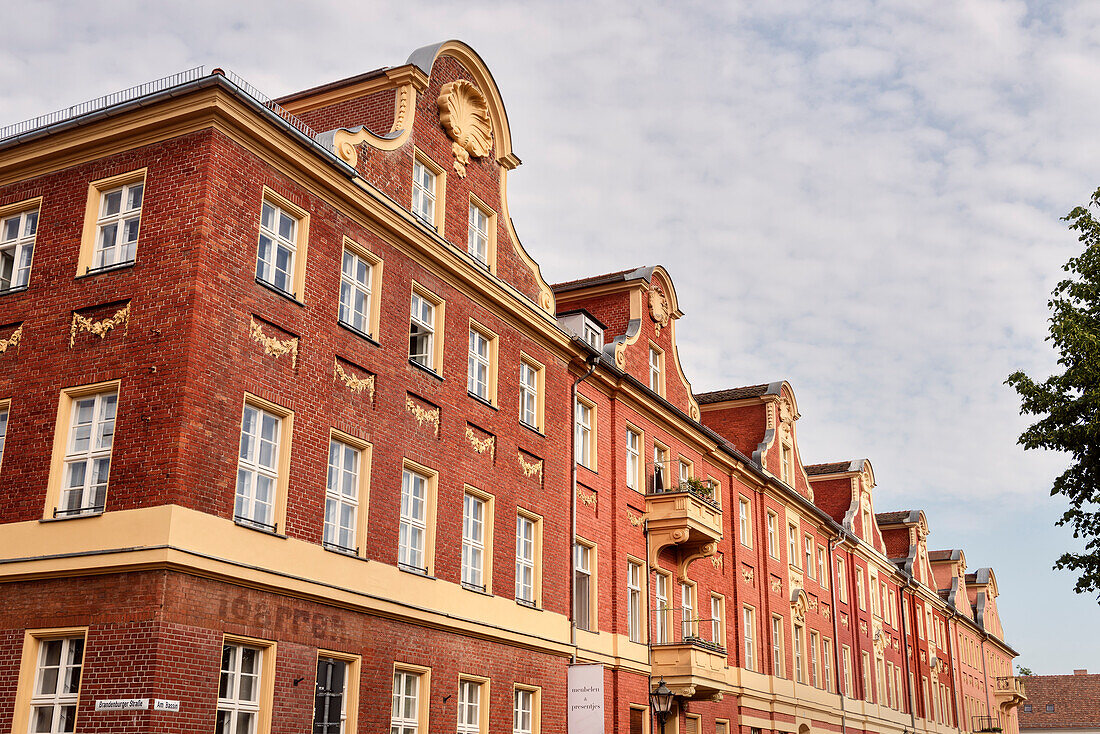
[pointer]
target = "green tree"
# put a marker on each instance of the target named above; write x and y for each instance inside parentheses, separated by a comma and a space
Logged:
(1068, 403)
(1023, 670)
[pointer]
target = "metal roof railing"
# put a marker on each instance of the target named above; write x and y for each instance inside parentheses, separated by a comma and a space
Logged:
(143, 90)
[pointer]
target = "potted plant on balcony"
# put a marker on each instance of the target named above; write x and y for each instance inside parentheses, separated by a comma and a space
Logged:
(700, 487)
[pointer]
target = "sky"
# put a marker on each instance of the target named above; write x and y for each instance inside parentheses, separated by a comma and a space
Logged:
(862, 198)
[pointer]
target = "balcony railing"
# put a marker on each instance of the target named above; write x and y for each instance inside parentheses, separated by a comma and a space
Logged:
(703, 489)
(986, 724)
(1011, 685)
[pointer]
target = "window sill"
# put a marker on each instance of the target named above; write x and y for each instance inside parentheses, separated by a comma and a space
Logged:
(532, 429)
(13, 291)
(482, 400)
(529, 605)
(421, 572)
(340, 550)
(361, 334)
(273, 531)
(73, 516)
(285, 294)
(426, 370)
(587, 468)
(476, 589)
(91, 272)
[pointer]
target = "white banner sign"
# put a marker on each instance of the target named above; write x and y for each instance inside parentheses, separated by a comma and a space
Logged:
(121, 704)
(163, 704)
(586, 699)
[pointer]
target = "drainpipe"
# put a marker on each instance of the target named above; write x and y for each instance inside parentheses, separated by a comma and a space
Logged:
(592, 361)
(910, 678)
(837, 664)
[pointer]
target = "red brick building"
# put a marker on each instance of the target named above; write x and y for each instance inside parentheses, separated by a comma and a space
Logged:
(295, 437)
(1060, 704)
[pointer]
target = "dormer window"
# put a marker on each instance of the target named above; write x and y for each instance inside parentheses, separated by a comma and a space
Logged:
(583, 325)
(593, 335)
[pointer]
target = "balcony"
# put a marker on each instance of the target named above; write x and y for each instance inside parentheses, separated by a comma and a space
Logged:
(693, 668)
(985, 724)
(684, 514)
(1009, 693)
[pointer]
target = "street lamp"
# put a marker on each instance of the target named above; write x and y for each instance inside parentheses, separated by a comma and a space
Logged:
(660, 701)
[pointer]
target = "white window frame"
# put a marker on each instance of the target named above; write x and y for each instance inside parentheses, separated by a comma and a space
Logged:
(687, 611)
(422, 328)
(342, 508)
(827, 663)
(63, 701)
(777, 646)
(248, 506)
(400, 698)
(89, 496)
(841, 580)
(267, 268)
(748, 615)
(125, 248)
(656, 372)
(663, 611)
(633, 459)
(822, 567)
(356, 286)
(744, 528)
(5, 412)
(717, 620)
(583, 435)
(525, 559)
(773, 535)
(478, 239)
(529, 394)
(815, 671)
(232, 703)
(425, 187)
(480, 365)
(862, 601)
(469, 706)
(808, 557)
(474, 514)
(582, 602)
(796, 643)
(415, 495)
(846, 660)
(18, 249)
(794, 549)
(634, 614)
(524, 716)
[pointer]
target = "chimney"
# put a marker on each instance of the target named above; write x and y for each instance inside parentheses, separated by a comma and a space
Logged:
(1080, 672)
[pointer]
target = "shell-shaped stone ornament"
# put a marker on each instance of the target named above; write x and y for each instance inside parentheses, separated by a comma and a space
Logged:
(464, 114)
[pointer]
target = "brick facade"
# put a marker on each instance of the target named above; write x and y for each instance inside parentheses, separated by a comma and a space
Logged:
(155, 581)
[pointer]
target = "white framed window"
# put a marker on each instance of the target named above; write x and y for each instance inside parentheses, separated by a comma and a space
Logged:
(685, 472)
(330, 709)
(473, 541)
(777, 646)
(744, 529)
(846, 661)
(592, 334)
(792, 545)
(478, 240)
(413, 531)
(258, 467)
(422, 331)
(867, 677)
(687, 611)
(88, 454)
(661, 616)
(424, 192)
(469, 707)
(633, 459)
(582, 594)
(841, 580)
(809, 558)
(529, 395)
(118, 224)
(717, 620)
(786, 459)
(862, 597)
(56, 691)
(479, 361)
(748, 615)
(815, 675)
(405, 708)
(525, 559)
(523, 711)
(17, 235)
(239, 689)
(655, 372)
(634, 601)
(585, 449)
(356, 281)
(661, 469)
(342, 495)
(797, 642)
(773, 533)
(827, 662)
(822, 567)
(275, 261)
(3, 430)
